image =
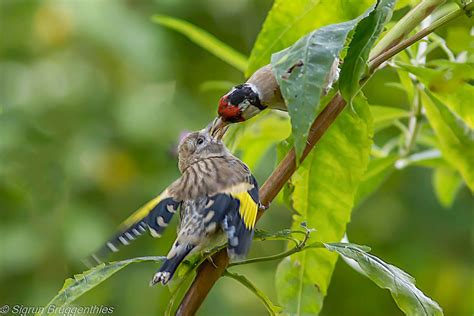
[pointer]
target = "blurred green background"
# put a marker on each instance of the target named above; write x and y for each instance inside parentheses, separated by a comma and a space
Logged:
(93, 98)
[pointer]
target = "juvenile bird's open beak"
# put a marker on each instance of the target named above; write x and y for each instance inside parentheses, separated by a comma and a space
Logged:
(218, 128)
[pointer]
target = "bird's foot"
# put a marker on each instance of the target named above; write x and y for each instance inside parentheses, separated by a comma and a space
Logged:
(264, 207)
(211, 261)
(160, 277)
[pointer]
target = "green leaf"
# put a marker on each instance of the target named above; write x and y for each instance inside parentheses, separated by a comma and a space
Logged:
(377, 171)
(301, 72)
(205, 40)
(449, 82)
(271, 308)
(324, 189)
(401, 285)
(456, 139)
(407, 84)
(73, 288)
(384, 116)
(460, 102)
(446, 183)
(366, 33)
(288, 21)
(420, 72)
(259, 136)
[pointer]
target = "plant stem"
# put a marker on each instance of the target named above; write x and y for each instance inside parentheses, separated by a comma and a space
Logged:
(208, 274)
(299, 247)
(280, 255)
(413, 124)
(406, 24)
(384, 56)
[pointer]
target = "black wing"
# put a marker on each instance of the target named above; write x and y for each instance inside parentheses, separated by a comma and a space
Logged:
(154, 216)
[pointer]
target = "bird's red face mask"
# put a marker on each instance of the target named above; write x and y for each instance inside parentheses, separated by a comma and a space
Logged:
(229, 112)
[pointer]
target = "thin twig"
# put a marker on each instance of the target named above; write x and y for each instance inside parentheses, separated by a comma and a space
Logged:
(386, 55)
(282, 255)
(299, 247)
(406, 24)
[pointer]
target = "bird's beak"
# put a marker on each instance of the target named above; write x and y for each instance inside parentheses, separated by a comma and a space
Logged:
(221, 132)
(218, 128)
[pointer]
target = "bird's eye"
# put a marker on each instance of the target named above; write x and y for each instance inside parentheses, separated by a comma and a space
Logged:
(200, 141)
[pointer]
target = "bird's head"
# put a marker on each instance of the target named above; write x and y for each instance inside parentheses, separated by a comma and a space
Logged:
(240, 103)
(200, 145)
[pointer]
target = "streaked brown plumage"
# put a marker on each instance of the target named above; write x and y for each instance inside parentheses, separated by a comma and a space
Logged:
(216, 194)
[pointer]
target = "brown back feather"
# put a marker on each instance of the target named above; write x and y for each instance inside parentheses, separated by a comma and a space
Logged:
(209, 176)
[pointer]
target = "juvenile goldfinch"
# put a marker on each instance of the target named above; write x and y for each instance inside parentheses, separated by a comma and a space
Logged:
(261, 91)
(216, 195)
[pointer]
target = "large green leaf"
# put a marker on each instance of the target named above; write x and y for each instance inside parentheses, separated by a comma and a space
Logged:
(366, 33)
(401, 285)
(456, 139)
(446, 183)
(377, 171)
(288, 21)
(384, 116)
(301, 72)
(324, 189)
(73, 288)
(205, 40)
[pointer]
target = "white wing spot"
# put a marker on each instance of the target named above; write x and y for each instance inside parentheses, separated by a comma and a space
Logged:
(112, 247)
(96, 258)
(171, 209)
(211, 227)
(209, 216)
(161, 221)
(154, 233)
(136, 232)
(123, 240)
(209, 203)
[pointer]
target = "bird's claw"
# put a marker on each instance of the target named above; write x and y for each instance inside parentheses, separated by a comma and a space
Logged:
(211, 261)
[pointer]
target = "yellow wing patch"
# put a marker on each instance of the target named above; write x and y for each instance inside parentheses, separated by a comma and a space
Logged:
(248, 208)
(143, 211)
(238, 188)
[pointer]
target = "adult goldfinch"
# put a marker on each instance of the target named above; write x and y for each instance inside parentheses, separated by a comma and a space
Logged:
(261, 91)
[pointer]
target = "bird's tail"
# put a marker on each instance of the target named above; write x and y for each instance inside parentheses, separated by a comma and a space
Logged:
(168, 268)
